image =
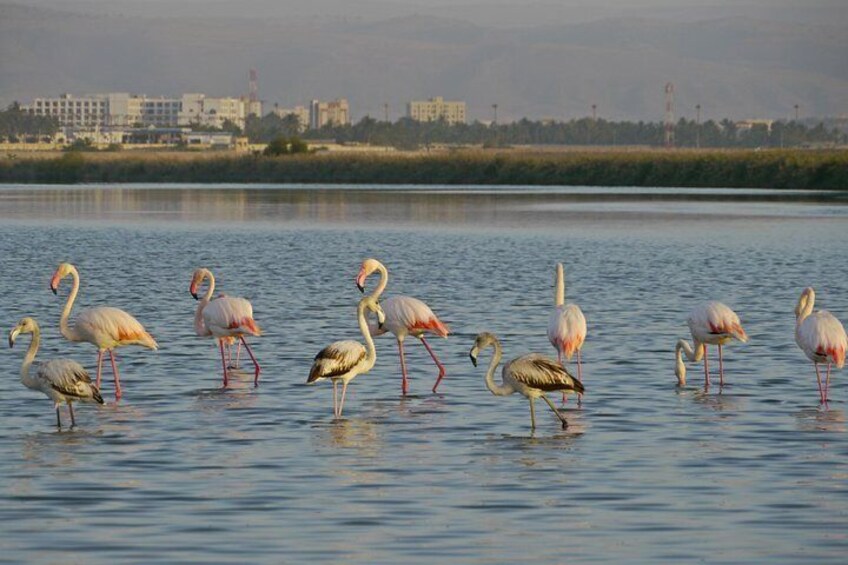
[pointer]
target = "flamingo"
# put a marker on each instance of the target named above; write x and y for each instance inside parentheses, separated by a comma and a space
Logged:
(343, 360)
(566, 326)
(226, 318)
(712, 323)
(103, 326)
(405, 316)
(820, 336)
(531, 375)
(61, 380)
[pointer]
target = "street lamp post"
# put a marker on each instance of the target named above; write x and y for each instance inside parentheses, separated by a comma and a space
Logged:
(698, 126)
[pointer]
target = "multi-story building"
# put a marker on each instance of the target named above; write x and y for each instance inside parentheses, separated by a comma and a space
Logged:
(336, 113)
(127, 110)
(300, 112)
(436, 109)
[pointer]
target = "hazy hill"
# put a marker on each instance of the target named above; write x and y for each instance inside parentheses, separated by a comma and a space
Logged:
(737, 67)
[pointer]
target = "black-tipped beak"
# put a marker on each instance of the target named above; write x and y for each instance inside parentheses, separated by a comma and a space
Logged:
(53, 288)
(473, 359)
(361, 288)
(11, 342)
(379, 325)
(194, 295)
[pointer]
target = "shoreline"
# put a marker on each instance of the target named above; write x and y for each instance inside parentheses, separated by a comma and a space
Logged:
(684, 168)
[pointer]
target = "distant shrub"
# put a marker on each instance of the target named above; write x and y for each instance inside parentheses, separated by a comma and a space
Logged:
(285, 146)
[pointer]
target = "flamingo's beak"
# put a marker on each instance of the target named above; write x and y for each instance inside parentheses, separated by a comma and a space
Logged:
(473, 359)
(194, 295)
(12, 335)
(360, 287)
(53, 288)
(360, 281)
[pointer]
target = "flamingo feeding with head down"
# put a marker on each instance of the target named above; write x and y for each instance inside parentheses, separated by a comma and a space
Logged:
(712, 323)
(405, 316)
(566, 326)
(103, 326)
(531, 375)
(344, 360)
(821, 336)
(61, 380)
(226, 318)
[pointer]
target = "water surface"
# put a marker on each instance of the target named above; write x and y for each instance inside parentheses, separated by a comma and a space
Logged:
(180, 471)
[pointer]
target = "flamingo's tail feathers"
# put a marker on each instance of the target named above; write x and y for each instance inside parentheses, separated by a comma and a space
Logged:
(251, 326)
(95, 395)
(149, 342)
(578, 386)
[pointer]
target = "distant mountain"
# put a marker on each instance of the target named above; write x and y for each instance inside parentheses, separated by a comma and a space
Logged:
(733, 67)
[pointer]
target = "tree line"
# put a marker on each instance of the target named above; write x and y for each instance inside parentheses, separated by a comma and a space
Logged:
(406, 133)
(17, 125)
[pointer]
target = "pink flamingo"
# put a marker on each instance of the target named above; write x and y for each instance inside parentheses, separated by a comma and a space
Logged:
(103, 326)
(404, 316)
(566, 327)
(820, 336)
(226, 318)
(711, 323)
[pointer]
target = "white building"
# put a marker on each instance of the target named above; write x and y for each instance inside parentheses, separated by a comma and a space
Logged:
(436, 109)
(123, 109)
(300, 112)
(335, 113)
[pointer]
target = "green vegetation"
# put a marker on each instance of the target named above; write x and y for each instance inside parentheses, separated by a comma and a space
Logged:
(752, 169)
(409, 134)
(285, 146)
(17, 125)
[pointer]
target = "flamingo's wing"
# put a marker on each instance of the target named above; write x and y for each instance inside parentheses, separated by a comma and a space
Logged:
(115, 323)
(413, 314)
(540, 372)
(336, 359)
(65, 377)
(230, 313)
(822, 335)
(716, 318)
(567, 328)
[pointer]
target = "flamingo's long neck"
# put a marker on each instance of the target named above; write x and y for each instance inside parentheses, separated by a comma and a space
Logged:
(68, 332)
(384, 280)
(695, 354)
(560, 286)
(30, 357)
(371, 356)
(494, 388)
(199, 326)
(805, 307)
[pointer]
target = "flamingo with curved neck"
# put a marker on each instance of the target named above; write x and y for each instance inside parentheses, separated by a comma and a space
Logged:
(61, 380)
(344, 360)
(405, 316)
(226, 318)
(530, 375)
(712, 323)
(821, 337)
(103, 326)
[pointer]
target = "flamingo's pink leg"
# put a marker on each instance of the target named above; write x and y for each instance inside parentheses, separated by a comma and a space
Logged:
(341, 404)
(58, 418)
(404, 387)
(99, 366)
(720, 368)
(436, 360)
(559, 355)
(229, 355)
(118, 393)
(256, 366)
(223, 361)
(827, 382)
(71, 410)
(706, 368)
(818, 378)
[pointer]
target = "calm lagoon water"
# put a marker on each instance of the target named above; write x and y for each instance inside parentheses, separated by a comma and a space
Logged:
(182, 472)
